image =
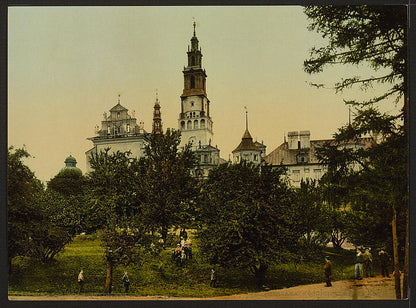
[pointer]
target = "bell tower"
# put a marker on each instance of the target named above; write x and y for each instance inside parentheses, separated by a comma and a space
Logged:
(195, 123)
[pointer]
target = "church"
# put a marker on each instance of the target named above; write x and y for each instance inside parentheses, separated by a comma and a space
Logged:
(120, 132)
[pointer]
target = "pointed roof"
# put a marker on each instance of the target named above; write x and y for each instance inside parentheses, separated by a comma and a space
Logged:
(246, 143)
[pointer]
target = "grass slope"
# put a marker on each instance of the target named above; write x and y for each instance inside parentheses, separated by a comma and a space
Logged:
(158, 275)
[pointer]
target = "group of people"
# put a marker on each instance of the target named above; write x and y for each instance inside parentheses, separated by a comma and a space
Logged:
(364, 264)
(362, 261)
(182, 251)
(125, 279)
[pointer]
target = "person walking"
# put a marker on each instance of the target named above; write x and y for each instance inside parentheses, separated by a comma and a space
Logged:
(328, 271)
(368, 263)
(177, 254)
(213, 282)
(384, 262)
(126, 282)
(81, 281)
(183, 257)
(358, 265)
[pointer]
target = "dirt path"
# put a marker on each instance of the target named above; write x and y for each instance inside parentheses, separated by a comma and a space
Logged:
(366, 289)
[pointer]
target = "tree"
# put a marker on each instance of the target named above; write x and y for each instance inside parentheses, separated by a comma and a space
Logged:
(67, 182)
(123, 245)
(113, 200)
(168, 187)
(22, 191)
(243, 217)
(377, 36)
(311, 220)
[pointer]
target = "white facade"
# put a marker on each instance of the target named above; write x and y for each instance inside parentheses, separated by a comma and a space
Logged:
(298, 155)
(194, 121)
(119, 132)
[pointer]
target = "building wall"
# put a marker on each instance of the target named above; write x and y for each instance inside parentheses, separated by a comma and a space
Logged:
(136, 145)
(252, 156)
(194, 121)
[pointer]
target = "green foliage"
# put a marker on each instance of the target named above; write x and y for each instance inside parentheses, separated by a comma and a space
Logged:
(370, 180)
(311, 220)
(125, 245)
(113, 189)
(167, 185)
(158, 275)
(243, 217)
(22, 191)
(68, 182)
(374, 35)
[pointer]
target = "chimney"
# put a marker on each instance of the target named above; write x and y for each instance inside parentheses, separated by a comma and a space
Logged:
(305, 139)
(292, 139)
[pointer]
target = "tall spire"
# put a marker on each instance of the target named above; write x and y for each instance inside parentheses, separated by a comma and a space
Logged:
(194, 27)
(157, 118)
(118, 101)
(245, 107)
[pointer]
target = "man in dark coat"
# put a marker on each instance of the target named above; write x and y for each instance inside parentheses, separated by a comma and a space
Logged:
(328, 271)
(126, 282)
(384, 263)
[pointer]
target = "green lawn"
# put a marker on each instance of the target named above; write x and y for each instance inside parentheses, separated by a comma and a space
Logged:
(158, 275)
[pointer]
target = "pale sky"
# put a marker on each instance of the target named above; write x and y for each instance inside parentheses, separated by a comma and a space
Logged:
(67, 66)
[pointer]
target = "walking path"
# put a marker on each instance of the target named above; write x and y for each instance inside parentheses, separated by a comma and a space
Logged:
(369, 288)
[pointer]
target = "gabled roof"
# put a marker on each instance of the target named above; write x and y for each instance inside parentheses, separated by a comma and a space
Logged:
(118, 107)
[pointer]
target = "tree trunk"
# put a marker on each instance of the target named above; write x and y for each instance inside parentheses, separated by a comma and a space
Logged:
(406, 257)
(109, 278)
(396, 254)
(164, 233)
(260, 274)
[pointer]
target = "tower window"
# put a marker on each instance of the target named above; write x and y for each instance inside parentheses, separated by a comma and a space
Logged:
(192, 82)
(192, 104)
(128, 128)
(118, 115)
(189, 125)
(108, 129)
(196, 124)
(192, 61)
(202, 123)
(182, 124)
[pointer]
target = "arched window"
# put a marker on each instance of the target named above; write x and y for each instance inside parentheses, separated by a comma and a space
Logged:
(192, 82)
(118, 115)
(195, 124)
(108, 129)
(202, 123)
(128, 128)
(189, 124)
(192, 61)
(183, 125)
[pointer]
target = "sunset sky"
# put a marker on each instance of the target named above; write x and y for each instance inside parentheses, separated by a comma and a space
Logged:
(67, 66)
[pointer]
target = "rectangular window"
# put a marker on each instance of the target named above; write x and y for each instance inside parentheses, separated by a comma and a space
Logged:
(306, 170)
(296, 175)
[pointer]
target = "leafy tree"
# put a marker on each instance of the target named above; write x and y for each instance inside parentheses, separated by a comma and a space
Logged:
(168, 187)
(22, 191)
(243, 218)
(123, 245)
(311, 217)
(377, 36)
(67, 182)
(114, 187)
